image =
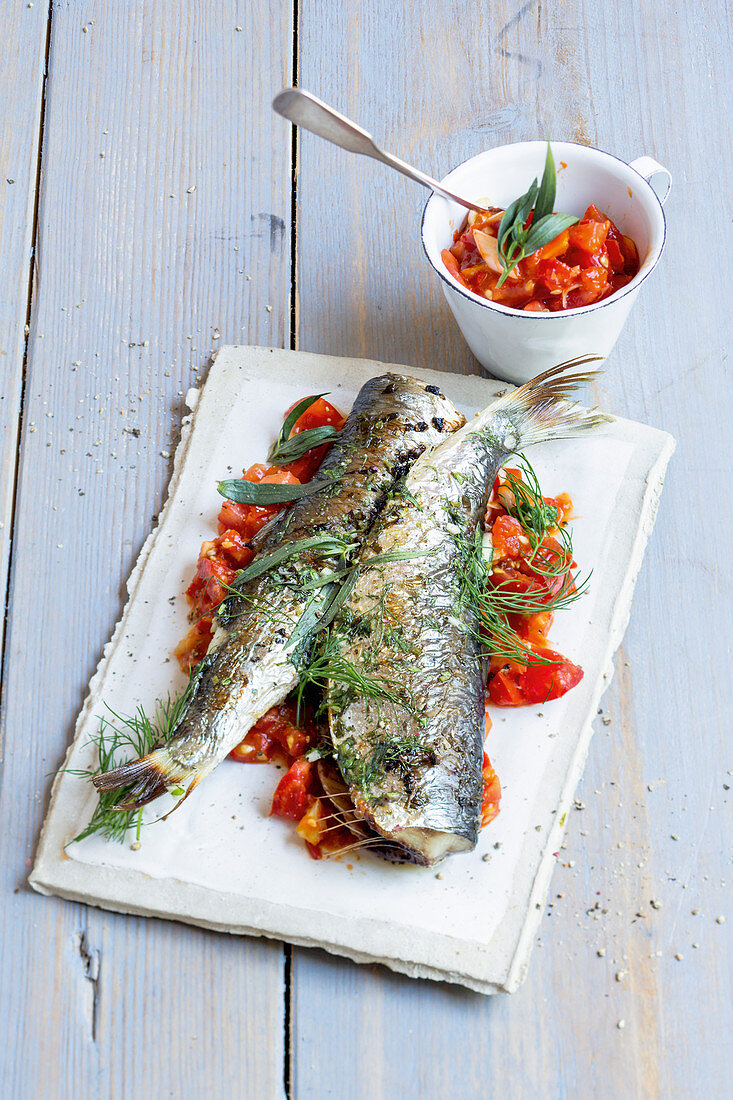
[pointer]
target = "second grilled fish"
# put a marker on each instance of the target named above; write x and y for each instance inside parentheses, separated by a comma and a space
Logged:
(251, 665)
(406, 702)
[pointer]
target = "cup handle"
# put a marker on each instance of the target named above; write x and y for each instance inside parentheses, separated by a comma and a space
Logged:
(655, 174)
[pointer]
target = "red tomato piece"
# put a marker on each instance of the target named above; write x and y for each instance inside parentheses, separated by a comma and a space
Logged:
(616, 257)
(539, 683)
(588, 236)
(256, 748)
(507, 537)
(533, 629)
(451, 262)
(213, 574)
(233, 517)
(193, 647)
(292, 793)
(235, 549)
(504, 690)
(314, 822)
(593, 214)
(320, 414)
(491, 793)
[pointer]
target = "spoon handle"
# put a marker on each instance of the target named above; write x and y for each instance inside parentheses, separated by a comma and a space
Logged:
(305, 110)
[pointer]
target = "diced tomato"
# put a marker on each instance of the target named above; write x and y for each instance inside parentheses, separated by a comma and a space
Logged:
(292, 793)
(451, 263)
(593, 214)
(193, 647)
(539, 683)
(507, 537)
(234, 517)
(256, 748)
(615, 255)
(235, 549)
(588, 236)
(213, 574)
(258, 515)
(313, 823)
(317, 415)
(491, 793)
(504, 690)
(533, 629)
(277, 735)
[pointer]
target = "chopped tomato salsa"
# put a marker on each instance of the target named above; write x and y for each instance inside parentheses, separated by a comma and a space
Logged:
(543, 569)
(582, 265)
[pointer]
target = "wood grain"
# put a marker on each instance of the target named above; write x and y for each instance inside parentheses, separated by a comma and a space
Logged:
(163, 217)
(143, 257)
(436, 84)
(24, 41)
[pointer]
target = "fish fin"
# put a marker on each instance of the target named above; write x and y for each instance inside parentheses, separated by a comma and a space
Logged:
(141, 781)
(542, 408)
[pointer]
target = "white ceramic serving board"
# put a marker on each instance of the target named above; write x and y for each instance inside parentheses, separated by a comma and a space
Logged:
(220, 861)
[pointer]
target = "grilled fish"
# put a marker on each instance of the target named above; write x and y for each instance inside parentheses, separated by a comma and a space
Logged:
(406, 704)
(251, 664)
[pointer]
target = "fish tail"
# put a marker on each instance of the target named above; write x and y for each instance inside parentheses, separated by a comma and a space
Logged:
(542, 408)
(141, 781)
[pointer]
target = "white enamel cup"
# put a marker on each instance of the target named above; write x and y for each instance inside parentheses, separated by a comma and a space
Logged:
(509, 343)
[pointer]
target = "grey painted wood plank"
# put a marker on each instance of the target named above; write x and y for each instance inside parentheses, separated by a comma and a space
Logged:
(21, 90)
(437, 84)
(162, 223)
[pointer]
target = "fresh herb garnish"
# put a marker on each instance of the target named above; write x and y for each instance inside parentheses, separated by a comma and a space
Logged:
(493, 603)
(122, 738)
(515, 238)
(399, 754)
(264, 492)
(326, 545)
(329, 667)
(286, 449)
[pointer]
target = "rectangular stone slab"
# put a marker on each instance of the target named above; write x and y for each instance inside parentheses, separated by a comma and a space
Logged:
(220, 861)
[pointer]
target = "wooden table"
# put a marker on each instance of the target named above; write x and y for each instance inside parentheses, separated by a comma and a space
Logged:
(153, 208)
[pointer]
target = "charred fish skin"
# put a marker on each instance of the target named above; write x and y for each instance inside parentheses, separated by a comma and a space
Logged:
(250, 665)
(411, 748)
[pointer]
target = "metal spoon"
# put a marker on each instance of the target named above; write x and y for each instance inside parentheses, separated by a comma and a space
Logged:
(303, 109)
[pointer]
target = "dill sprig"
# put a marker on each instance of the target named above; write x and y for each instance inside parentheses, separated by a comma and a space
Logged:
(493, 603)
(401, 755)
(328, 666)
(119, 739)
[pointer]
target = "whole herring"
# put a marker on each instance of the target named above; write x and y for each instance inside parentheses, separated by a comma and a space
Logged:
(252, 662)
(407, 724)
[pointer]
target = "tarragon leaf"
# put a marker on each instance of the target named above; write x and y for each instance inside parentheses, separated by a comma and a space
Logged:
(549, 227)
(291, 420)
(288, 450)
(263, 492)
(545, 201)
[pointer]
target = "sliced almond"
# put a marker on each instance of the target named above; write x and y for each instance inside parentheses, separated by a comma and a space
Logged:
(486, 244)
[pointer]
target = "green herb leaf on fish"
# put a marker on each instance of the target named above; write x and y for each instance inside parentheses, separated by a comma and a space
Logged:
(328, 665)
(326, 545)
(396, 754)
